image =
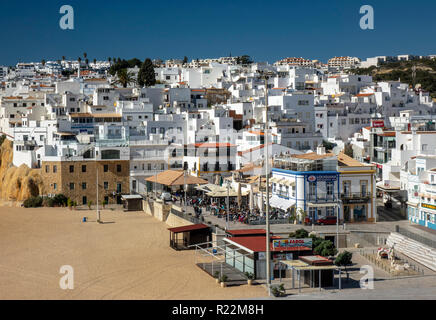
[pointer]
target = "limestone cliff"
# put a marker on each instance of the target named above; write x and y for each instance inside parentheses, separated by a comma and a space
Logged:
(17, 184)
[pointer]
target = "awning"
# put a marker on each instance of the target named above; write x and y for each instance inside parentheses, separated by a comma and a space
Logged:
(131, 197)
(175, 178)
(288, 183)
(223, 193)
(280, 203)
(322, 205)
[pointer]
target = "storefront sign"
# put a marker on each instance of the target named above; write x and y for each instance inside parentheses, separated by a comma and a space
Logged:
(378, 123)
(292, 243)
(353, 201)
(428, 206)
(314, 178)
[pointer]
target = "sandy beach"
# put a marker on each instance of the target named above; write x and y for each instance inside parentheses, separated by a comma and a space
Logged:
(128, 257)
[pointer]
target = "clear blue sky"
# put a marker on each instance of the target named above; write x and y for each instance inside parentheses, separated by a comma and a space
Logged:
(265, 30)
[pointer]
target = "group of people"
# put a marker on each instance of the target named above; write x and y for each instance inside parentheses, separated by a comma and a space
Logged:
(237, 213)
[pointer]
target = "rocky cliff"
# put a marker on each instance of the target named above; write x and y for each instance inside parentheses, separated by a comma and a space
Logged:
(17, 184)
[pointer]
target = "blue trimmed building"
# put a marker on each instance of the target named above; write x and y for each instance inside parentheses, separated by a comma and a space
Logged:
(322, 184)
(309, 182)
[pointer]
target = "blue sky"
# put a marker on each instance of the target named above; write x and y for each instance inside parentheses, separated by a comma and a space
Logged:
(265, 30)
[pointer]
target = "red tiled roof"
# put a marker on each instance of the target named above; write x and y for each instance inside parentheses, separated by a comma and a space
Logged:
(387, 134)
(246, 231)
(189, 228)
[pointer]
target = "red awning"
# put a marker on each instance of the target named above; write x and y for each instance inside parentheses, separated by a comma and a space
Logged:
(189, 228)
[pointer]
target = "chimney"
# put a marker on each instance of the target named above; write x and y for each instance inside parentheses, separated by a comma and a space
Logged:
(320, 150)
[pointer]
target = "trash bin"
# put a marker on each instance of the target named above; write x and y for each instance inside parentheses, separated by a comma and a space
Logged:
(84, 219)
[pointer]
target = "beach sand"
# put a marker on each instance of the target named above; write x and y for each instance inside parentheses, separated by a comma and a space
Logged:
(128, 257)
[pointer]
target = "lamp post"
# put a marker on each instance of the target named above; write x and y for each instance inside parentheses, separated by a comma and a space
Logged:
(337, 223)
(96, 170)
(228, 205)
(266, 76)
(184, 187)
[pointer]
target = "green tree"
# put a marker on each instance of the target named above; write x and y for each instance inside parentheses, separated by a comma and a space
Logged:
(344, 259)
(326, 248)
(299, 234)
(85, 55)
(328, 145)
(146, 75)
(244, 60)
(124, 78)
(43, 62)
(185, 60)
(63, 58)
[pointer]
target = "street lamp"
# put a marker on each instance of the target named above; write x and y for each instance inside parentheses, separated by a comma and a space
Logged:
(228, 205)
(337, 222)
(184, 186)
(265, 76)
(96, 170)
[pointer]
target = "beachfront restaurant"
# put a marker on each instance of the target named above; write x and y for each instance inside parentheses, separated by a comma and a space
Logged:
(186, 237)
(248, 253)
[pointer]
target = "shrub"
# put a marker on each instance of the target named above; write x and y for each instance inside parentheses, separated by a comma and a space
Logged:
(48, 202)
(326, 248)
(224, 278)
(60, 200)
(278, 291)
(344, 259)
(249, 275)
(33, 202)
(299, 234)
(89, 204)
(69, 203)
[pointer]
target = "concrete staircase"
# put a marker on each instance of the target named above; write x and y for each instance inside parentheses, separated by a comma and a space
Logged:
(413, 249)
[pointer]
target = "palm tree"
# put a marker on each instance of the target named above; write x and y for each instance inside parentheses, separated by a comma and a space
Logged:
(63, 58)
(85, 55)
(43, 62)
(125, 78)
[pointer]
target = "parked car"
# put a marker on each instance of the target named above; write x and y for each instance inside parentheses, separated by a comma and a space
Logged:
(308, 221)
(166, 196)
(326, 221)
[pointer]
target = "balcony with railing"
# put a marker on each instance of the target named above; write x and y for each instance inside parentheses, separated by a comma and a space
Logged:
(350, 197)
(322, 197)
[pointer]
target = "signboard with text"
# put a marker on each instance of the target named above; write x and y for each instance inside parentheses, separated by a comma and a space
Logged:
(325, 177)
(378, 124)
(292, 243)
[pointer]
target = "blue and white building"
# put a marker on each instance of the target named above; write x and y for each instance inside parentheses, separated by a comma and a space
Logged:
(307, 182)
(323, 184)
